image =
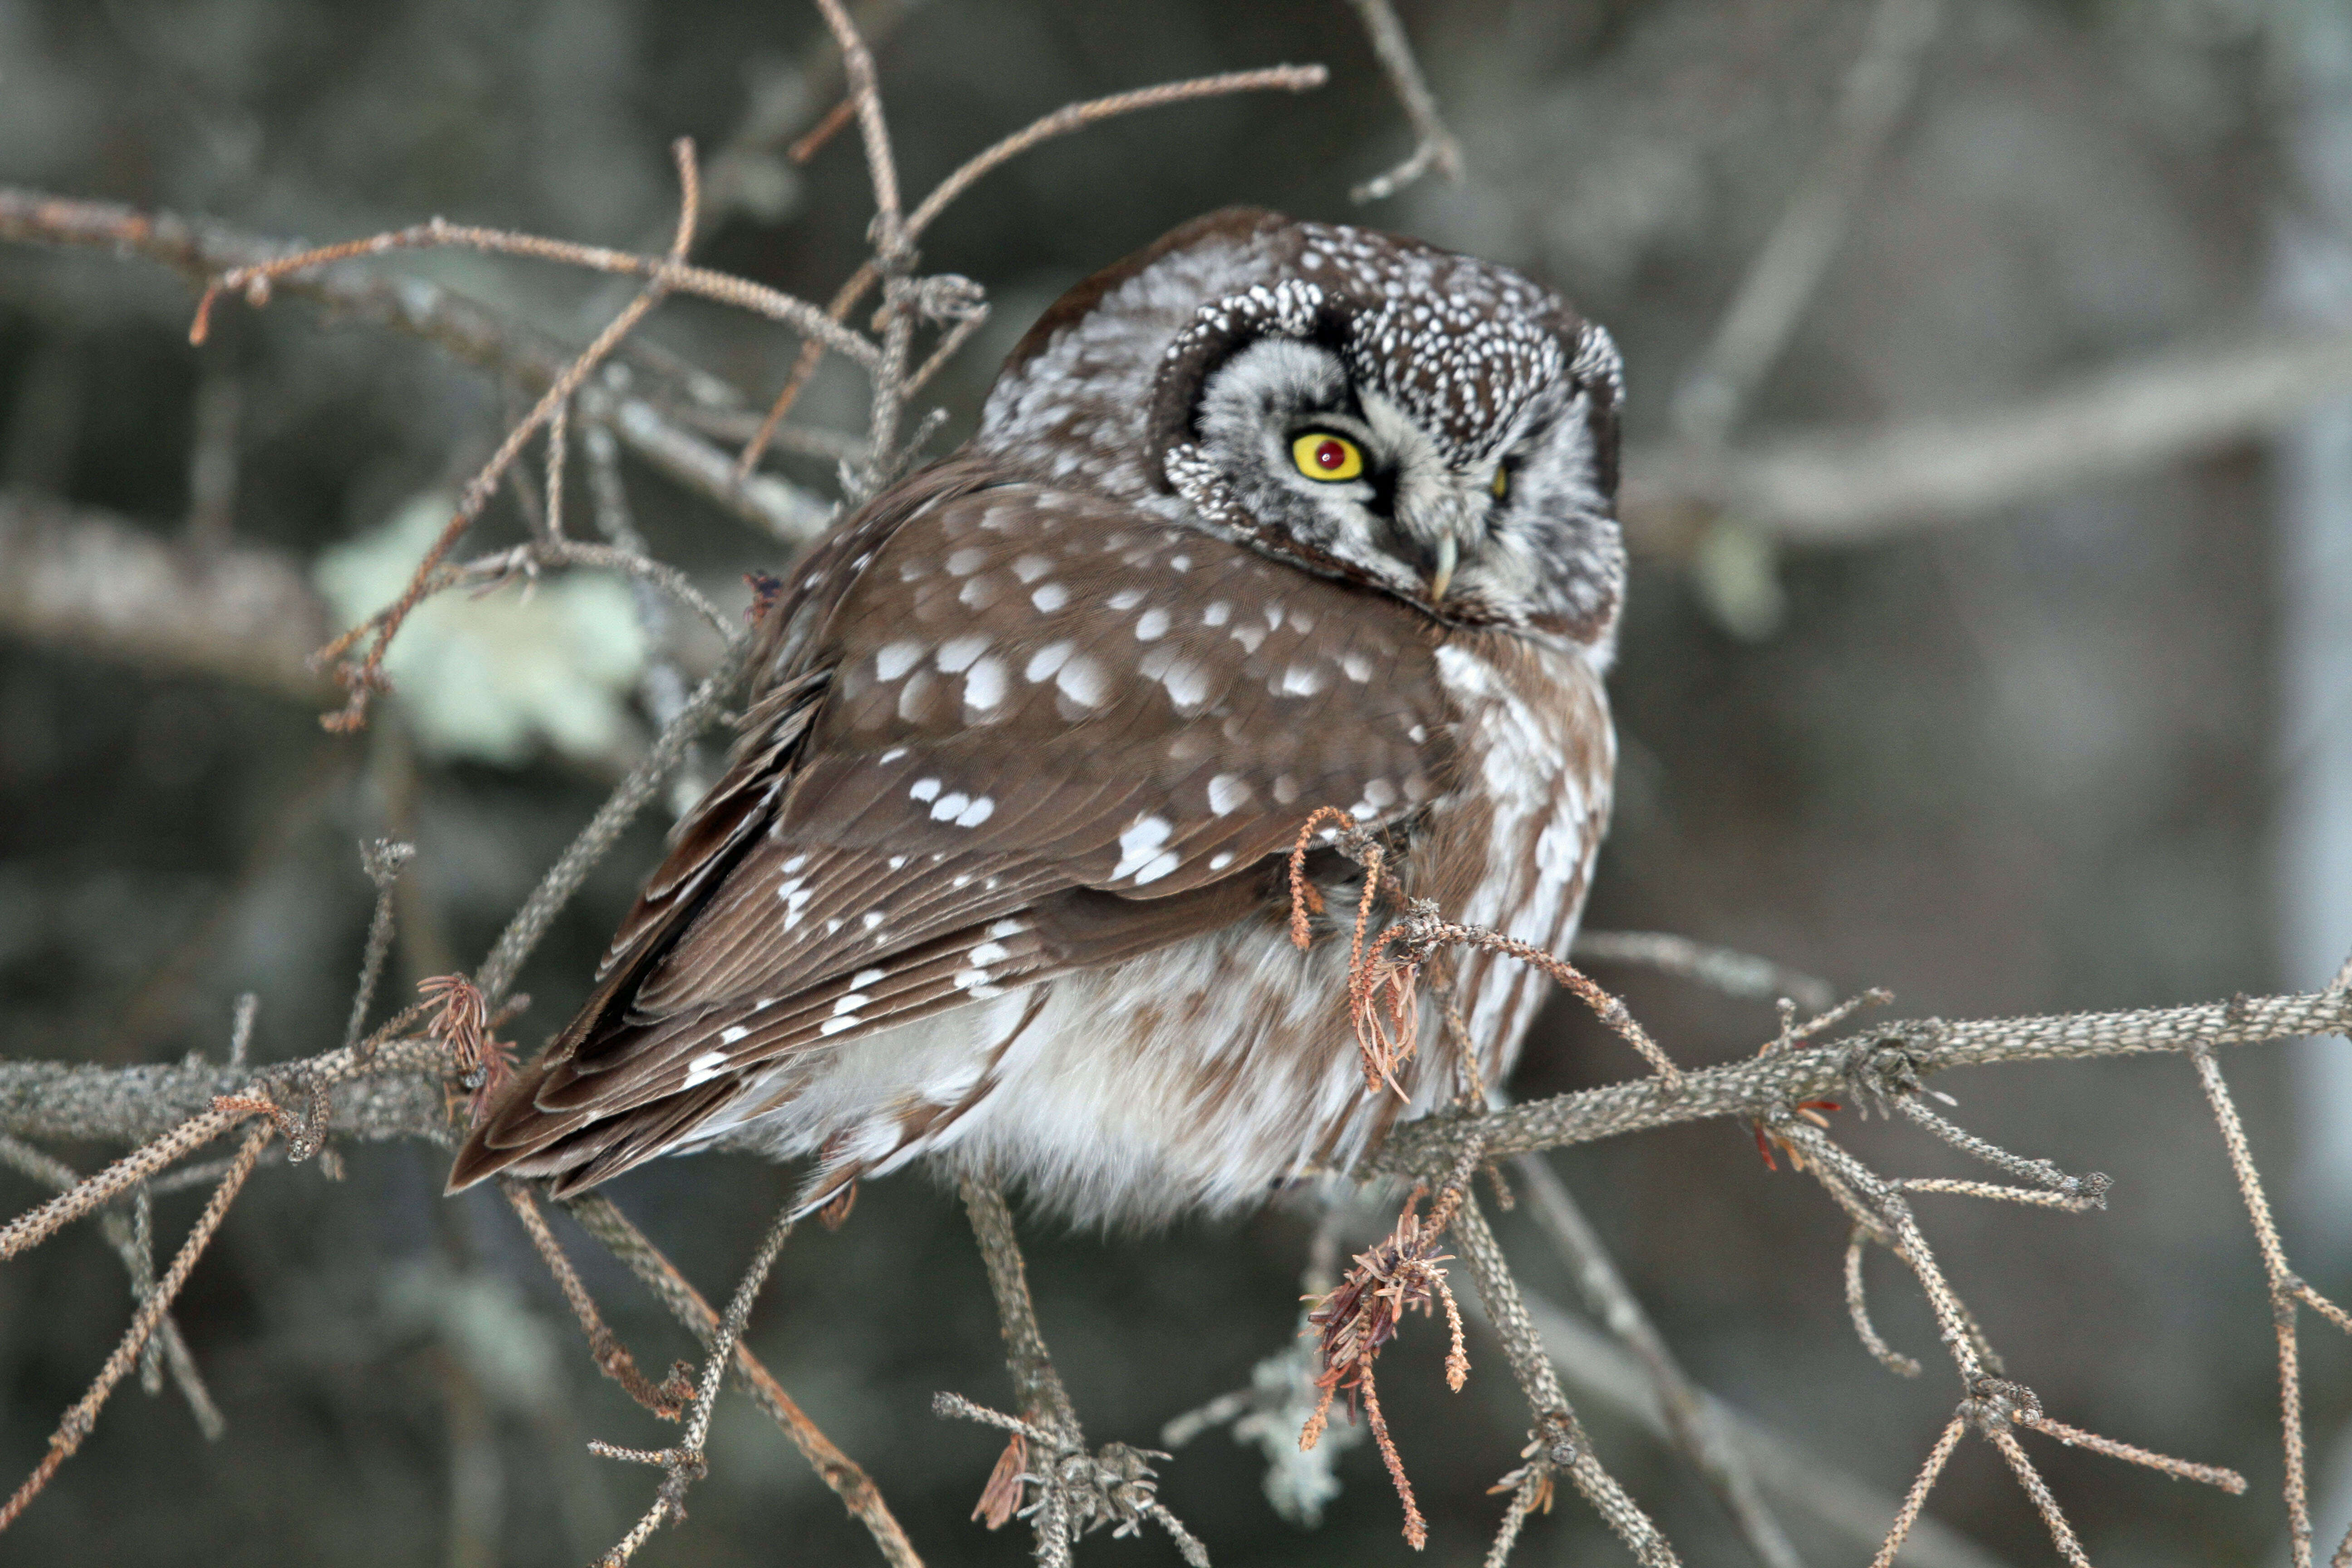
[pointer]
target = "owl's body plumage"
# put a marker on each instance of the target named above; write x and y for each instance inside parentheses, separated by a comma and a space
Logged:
(997, 872)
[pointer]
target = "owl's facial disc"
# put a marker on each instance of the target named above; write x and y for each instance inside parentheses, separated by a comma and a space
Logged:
(1353, 484)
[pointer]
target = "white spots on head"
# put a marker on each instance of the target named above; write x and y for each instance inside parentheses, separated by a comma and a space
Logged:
(1152, 625)
(1139, 849)
(1126, 599)
(984, 684)
(965, 562)
(1217, 614)
(924, 789)
(1355, 667)
(710, 1064)
(1049, 596)
(1047, 659)
(1029, 568)
(894, 660)
(1083, 682)
(1228, 792)
(956, 654)
(1301, 680)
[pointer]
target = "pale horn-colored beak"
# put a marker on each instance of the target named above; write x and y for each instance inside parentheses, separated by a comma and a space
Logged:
(1448, 553)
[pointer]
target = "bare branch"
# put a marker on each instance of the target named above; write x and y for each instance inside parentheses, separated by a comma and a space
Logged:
(1756, 1086)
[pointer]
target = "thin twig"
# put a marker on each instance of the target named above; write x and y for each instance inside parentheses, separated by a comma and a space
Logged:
(668, 1399)
(381, 862)
(620, 1236)
(1078, 116)
(2061, 1534)
(1908, 1517)
(1563, 1442)
(1692, 1427)
(133, 1242)
(1036, 1385)
(1434, 145)
(684, 1462)
(77, 1420)
(1857, 1304)
(2286, 1292)
(1723, 969)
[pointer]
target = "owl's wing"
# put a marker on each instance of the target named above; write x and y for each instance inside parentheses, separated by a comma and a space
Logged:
(1039, 731)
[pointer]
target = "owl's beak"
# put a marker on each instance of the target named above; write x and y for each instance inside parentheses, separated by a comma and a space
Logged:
(1448, 553)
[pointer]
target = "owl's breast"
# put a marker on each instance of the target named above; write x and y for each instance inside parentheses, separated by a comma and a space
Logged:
(1511, 844)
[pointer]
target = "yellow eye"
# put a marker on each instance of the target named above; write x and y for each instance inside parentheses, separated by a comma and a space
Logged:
(1323, 456)
(1502, 485)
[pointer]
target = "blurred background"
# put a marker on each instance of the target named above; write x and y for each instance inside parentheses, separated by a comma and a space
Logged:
(1990, 640)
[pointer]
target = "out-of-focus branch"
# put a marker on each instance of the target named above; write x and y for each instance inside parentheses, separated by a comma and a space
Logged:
(200, 249)
(1788, 271)
(81, 577)
(1833, 490)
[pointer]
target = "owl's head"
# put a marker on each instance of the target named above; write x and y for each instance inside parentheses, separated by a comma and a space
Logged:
(1364, 406)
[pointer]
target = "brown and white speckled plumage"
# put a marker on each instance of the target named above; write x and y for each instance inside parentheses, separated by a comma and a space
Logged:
(995, 875)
